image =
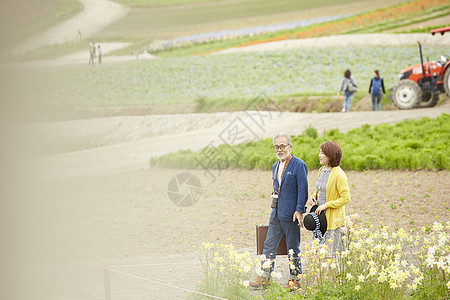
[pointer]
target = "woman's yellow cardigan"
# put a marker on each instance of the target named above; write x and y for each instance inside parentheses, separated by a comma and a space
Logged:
(338, 194)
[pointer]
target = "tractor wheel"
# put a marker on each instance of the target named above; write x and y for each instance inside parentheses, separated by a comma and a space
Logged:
(406, 94)
(446, 82)
(429, 99)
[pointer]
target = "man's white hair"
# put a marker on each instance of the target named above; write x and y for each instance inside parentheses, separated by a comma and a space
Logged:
(282, 134)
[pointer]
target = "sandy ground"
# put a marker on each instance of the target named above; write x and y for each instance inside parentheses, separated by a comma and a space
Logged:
(126, 220)
(96, 15)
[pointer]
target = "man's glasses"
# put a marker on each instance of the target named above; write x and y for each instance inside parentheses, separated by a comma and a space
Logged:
(278, 147)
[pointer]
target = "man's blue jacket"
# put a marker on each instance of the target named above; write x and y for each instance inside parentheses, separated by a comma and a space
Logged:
(294, 188)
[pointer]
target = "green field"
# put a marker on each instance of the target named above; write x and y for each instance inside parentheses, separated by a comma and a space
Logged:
(165, 22)
(380, 20)
(211, 82)
(415, 145)
(217, 79)
(148, 21)
(180, 20)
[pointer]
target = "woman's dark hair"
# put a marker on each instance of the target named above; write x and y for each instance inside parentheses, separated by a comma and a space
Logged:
(347, 73)
(378, 75)
(333, 151)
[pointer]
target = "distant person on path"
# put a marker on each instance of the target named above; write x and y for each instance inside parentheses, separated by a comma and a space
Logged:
(375, 88)
(332, 193)
(92, 53)
(348, 86)
(100, 54)
(289, 196)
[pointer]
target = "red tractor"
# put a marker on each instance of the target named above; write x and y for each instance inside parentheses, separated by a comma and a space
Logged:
(420, 85)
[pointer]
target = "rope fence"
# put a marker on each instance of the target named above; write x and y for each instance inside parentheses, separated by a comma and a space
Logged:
(107, 279)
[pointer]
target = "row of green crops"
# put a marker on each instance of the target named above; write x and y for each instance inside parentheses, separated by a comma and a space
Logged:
(411, 144)
(216, 77)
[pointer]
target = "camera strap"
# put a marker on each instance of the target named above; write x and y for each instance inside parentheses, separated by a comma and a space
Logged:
(282, 173)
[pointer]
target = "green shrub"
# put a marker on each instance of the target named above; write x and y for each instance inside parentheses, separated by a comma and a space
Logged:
(311, 132)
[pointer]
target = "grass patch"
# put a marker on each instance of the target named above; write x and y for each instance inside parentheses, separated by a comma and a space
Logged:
(426, 29)
(52, 51)
(22, 19)
(416, 145)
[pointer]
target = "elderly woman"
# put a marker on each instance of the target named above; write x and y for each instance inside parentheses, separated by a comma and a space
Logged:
(332, 193)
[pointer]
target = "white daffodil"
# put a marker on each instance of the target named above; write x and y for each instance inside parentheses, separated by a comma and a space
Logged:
(267, 264)
(437, 226)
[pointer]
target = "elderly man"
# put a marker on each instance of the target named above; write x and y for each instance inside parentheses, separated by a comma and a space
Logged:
(289, 196)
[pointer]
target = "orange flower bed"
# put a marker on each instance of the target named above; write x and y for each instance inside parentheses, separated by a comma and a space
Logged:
(373, 18)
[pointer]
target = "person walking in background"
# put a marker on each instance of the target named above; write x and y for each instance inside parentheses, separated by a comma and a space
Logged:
(375, 88)
(332, 193)
(348, 86)
(92, 53)
(289, 196)
(100, 54)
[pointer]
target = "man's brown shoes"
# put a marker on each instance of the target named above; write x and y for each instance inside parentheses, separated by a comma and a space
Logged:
(292, 285)
(259, 282)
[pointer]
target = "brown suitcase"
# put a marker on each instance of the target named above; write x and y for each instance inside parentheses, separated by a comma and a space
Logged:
(261, 233)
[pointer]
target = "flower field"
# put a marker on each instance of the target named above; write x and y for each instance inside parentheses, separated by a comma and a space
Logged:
(239, 76)
(377, 20)
(374, 21)
(377, 263)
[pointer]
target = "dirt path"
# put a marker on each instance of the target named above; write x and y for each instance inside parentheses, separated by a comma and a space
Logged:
(97, 14)
(349, 40)
(82, 58)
